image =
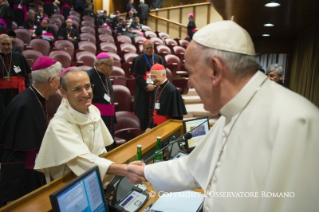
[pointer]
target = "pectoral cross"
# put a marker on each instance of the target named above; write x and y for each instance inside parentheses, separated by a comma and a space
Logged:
(8, 77)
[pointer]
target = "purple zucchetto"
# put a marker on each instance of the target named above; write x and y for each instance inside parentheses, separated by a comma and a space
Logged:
(42, 63)
(102, 55)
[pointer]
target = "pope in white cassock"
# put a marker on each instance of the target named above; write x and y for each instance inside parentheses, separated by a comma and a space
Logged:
(77, 135)
(262, 155)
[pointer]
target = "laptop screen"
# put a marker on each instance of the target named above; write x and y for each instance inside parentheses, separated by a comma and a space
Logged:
(198, 132)
(85, 193)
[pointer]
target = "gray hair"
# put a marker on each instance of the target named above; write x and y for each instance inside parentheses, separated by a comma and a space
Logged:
(240, 65)
(276, 67)
(42, 75)
(30, 11)
(103, 60)
(142, 1)
(4, 37)
(63, 80)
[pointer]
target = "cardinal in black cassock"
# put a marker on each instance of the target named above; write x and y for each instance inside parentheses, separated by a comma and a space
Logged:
(103, 94)
(6, 16)
(23, 129)
(14, 70)
(167, 102)
(144, 91)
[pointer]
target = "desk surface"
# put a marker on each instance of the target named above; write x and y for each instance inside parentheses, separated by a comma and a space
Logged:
(38, 200)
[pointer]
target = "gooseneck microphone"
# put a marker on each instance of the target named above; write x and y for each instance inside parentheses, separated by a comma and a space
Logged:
(182, 138)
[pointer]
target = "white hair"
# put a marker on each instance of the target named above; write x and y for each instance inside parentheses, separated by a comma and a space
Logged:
(240, 65)
(103, 60)
(276, 67)
(30, 11)
(142, 1)
(42, 75)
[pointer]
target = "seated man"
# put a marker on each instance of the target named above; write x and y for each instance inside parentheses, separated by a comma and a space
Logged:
(40, 14)
(13, 36)
(136, 24)
(69, 33)
(46, 32)
(89, 11)
(130, 18)
(77, 135)
(115, 22)
(275, 73)
(113, 15)
(64, 23)
(124, 29)
(168, 102)
(31, 23)
(103, 20)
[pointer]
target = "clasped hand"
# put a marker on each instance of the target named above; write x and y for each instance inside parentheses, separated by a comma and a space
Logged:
(135, 172)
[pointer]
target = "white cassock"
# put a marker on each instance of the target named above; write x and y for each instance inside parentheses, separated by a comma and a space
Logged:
(267, 140)
(74, 141)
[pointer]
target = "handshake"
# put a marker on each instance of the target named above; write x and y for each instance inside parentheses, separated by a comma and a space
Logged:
(134, 171)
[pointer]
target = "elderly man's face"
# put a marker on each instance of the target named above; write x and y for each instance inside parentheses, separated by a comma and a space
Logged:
(45, 23)
(200, 78)
(158, 77)
(31, 15)
(148, 48)
(79, 91)
(272, 75)
(6, 45)
(69, 23)
(107, 67)
(137, 20)
(40, 10)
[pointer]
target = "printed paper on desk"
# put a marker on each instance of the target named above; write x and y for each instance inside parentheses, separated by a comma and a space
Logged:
(185, 201)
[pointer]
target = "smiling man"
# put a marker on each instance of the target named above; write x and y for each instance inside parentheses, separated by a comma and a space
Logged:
(103, 97)
(168, 102)
(76, 135)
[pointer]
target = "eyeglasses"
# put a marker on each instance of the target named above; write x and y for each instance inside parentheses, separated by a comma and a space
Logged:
(79, 89)
(109, 65)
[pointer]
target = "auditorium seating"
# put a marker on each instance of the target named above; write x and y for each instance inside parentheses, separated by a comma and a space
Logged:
(53, 103)
(183, 43)
(103, 30)
(163, 50)
(87, 58)
(31, 56)
(41, 45)
(86, 29)
(63, 57)
(116, 59)
(67, 46)
(24, 35)
(88, 37)
(87, 46)
(108, 47)
(19, 43)
(179, 52)
(126, 120)
(117, 71)
(122, 96)
(174, 64)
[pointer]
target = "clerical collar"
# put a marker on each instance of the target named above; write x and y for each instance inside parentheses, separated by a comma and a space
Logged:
(238, 103)
(164, 83)
(38, 92)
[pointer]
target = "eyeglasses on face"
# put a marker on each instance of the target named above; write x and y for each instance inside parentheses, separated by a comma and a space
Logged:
(79, 89)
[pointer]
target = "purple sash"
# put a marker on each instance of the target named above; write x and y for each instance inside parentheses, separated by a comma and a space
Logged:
(23, 8)
(105, 110)
(3, 21)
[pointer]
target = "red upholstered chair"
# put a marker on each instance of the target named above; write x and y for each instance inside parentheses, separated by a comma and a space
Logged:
(131, 85)
(128, 59)
(146, 28)
(170, 43)
(138, 40)
(179, 52)
(63, 57)
(41, 45)
(55, 27)
(163, 35)
(88, 58)
(31, 56)
(122, 96)
(76, 18)
(150, 34)
(116, 59)
(88, 37)
(184, 43)
(86, 29)
(88, 23)
(117, 71)
(157, 41)
(118, 80)
(57, 16)
(20, 43)
(128, 133)
(87, 46)
(77, 25)
(87, 18)
(53, 103)
(24, 34)
(137, 32)
(106, 38)
(163, 50)
(14, 25)
(67, 46)
(123, 39)
(103, 30)
(181, 83)
(126, 120)
(85, 68)
(169, 75)
(108, 47)
(75, 13)
(174, 64)
(56, 21)
(126, 48)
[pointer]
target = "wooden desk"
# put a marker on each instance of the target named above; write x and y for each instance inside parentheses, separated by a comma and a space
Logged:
(38, 200)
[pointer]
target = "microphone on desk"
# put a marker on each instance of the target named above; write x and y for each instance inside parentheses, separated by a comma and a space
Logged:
(182, 138)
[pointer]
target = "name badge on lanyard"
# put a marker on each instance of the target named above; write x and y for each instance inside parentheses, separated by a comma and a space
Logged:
(16, 69)
(107, 98)
(157, 105)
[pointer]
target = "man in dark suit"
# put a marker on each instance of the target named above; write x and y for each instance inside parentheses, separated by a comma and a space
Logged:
(142, 11)
(70, 33)
(156, 4)
(46, 32)
(31, 23)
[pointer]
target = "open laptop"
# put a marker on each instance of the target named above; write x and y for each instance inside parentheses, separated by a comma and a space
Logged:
(84, 193)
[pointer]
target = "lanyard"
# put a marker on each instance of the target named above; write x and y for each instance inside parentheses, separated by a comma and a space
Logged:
(157, 98)
(106, 90)
(148, 64)
(9, 68)
(44, 111)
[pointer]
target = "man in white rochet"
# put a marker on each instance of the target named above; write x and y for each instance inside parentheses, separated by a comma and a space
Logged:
(262, 154)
